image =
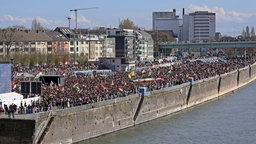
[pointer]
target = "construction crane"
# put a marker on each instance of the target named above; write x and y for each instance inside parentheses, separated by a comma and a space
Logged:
(75, 10)
(69, 18)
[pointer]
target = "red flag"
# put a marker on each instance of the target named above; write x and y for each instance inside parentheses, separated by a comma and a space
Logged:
(102, 85)
(121, 88)
(63, 73)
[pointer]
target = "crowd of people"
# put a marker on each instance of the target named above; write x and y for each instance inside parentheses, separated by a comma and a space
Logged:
(82, 88)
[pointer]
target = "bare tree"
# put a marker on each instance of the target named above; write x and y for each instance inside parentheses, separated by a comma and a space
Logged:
(8, 37)
(126, 24)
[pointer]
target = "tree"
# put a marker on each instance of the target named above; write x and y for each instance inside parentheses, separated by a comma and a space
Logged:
(126, 24)
(65, 58)
(18, 27)
(8, 37)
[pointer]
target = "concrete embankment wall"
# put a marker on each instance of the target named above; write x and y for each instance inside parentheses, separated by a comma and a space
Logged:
(78, 123)
(14, 131)
(253, 70)
(84, 122)
(203, 90)
(229, 82)
(163, 102)
(244, 75)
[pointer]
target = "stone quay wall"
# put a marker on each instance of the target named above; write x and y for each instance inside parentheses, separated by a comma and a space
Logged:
(84, 122)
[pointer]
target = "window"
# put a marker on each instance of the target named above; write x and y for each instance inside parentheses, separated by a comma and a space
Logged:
(71, 43)
(71, 49)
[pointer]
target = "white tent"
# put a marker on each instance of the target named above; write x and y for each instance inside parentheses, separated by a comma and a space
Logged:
(9, 98)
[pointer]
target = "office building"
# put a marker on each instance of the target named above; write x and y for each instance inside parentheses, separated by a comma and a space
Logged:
(199, 26)
(166, 21)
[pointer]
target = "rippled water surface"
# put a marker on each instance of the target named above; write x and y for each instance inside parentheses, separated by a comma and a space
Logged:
(230, 119)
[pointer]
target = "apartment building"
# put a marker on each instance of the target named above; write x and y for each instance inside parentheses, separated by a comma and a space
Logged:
(91, 46)
(74, 42)
(24, 41)
(144, 46)
(59, 43)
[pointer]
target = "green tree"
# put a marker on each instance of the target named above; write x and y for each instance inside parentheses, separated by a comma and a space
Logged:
(82, 58)
(34, 59)
(17, 57)
(65, 58)
(52, 58)
(26, 59)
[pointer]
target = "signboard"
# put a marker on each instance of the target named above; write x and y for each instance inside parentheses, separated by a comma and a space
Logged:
(5, 78)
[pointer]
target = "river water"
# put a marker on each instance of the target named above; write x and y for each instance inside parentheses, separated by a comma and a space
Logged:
(231, 119)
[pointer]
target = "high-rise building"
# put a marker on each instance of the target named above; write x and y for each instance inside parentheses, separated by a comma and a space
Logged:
(199, 26)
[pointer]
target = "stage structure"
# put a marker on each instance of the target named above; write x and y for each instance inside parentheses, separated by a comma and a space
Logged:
(5, 77)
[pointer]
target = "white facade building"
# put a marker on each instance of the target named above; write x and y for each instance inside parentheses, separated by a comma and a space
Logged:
(199, 26)
(117, 64)
(166, 21)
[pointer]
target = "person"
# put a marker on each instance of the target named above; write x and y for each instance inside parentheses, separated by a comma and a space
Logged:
(6, 109)
(11, 111)
(1, 110)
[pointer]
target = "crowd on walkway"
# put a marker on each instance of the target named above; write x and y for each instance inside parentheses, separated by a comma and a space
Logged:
(80, 89)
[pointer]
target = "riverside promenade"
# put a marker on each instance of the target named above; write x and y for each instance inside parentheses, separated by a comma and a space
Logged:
(94, 119)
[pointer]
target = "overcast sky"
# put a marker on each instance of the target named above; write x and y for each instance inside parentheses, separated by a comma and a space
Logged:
(231, 15)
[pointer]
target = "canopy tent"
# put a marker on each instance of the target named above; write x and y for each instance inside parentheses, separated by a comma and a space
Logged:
(9, 98)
